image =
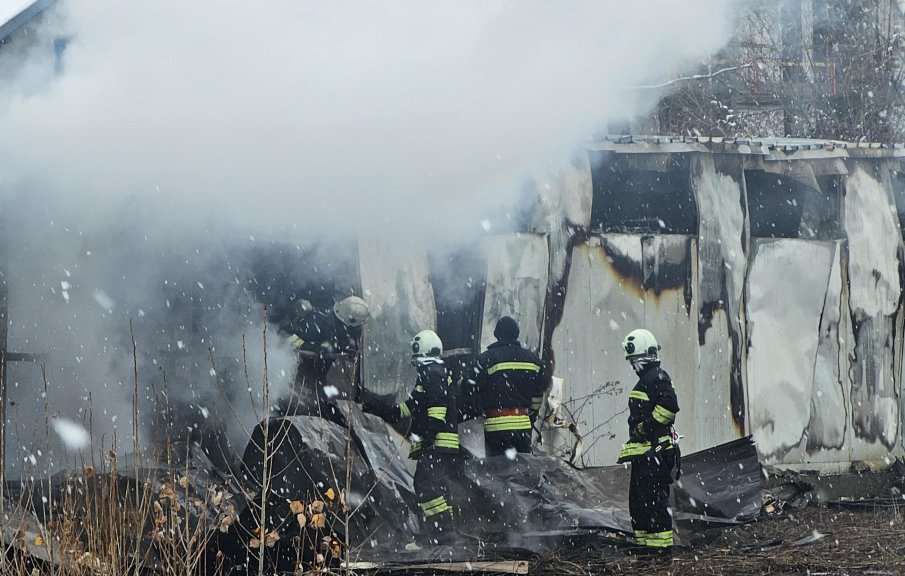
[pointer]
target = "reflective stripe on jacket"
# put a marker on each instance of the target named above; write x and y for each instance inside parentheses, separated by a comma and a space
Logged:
(432, 406)
(509, 376)
(652, 411)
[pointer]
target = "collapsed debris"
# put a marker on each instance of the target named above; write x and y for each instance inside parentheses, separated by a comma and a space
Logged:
(313, 493)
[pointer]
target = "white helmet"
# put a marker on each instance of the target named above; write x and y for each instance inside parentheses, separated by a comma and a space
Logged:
(640, 343)
(301, 308)
(352, 311)
(426, 343)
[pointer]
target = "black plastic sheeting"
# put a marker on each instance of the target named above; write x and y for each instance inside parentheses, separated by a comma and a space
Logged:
(505, 507)
(530, 503)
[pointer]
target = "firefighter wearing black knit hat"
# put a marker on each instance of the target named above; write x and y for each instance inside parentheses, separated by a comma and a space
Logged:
(510, 382)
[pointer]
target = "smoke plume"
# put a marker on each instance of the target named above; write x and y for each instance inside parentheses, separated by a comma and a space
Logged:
(175, 139)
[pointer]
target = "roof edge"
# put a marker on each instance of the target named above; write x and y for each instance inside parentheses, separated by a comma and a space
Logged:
(24, 17)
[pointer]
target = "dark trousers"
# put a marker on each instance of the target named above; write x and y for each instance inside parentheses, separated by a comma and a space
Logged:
(648, 499)
(432, 489)
(308, 396)
(497, 443)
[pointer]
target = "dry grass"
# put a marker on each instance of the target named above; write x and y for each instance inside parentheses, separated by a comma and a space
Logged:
(116, 519)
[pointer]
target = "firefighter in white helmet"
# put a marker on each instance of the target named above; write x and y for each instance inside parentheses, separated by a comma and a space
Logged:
(651, 447)
(434, 437)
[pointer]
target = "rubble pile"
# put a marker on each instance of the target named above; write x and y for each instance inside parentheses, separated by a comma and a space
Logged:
(310, 493)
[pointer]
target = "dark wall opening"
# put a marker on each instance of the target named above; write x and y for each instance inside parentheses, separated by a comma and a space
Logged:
(642, 195)
(780, 206)
(323, 273)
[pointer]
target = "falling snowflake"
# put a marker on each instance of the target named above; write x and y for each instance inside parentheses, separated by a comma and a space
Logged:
(73, 434)
(103, 300)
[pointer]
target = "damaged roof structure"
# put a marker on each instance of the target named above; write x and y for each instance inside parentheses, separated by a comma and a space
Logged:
(17, 14)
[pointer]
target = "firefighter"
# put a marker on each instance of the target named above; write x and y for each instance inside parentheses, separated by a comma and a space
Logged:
(434, 437)
(651, 447)
(319, 336)
(510, 383)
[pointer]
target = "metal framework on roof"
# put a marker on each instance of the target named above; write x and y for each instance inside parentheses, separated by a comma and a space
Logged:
(777, 148)
(24, 17)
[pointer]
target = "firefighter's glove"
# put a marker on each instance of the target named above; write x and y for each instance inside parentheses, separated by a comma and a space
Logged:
(649, 432)
(381, 410)
(644, 432)
(296, 342)
(379, 405)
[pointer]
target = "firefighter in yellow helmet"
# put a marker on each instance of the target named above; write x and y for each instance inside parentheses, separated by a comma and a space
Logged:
(651, 447)
(320, 336)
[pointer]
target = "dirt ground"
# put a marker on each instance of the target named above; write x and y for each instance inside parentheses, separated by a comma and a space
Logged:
(816, 540)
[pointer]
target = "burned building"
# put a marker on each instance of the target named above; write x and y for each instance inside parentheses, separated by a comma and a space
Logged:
(771, 271)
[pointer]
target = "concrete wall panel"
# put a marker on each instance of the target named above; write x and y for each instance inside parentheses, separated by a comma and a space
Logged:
(619, 282)
(603, 303)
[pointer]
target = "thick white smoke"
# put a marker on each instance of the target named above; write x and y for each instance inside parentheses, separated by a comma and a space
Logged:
(177, 132)
(318, 116)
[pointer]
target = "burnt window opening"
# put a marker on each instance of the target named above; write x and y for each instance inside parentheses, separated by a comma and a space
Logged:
(783, 207)
(640, 196)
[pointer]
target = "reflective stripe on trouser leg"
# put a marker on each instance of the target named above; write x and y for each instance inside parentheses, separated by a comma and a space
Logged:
(503, 423)
(658, 539)
(436, 506)
(432, 489)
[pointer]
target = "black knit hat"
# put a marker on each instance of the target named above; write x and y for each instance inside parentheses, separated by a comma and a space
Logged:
(506, 329)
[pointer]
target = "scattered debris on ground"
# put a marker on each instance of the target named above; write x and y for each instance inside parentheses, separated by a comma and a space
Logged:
(816, 540)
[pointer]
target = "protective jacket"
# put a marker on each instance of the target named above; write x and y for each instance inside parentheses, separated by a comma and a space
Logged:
(510, 382)
(651, 450)
(652, 411)
(321, 331)
(432, 408)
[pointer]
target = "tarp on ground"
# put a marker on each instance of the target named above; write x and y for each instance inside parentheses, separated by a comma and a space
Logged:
(528, 504)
